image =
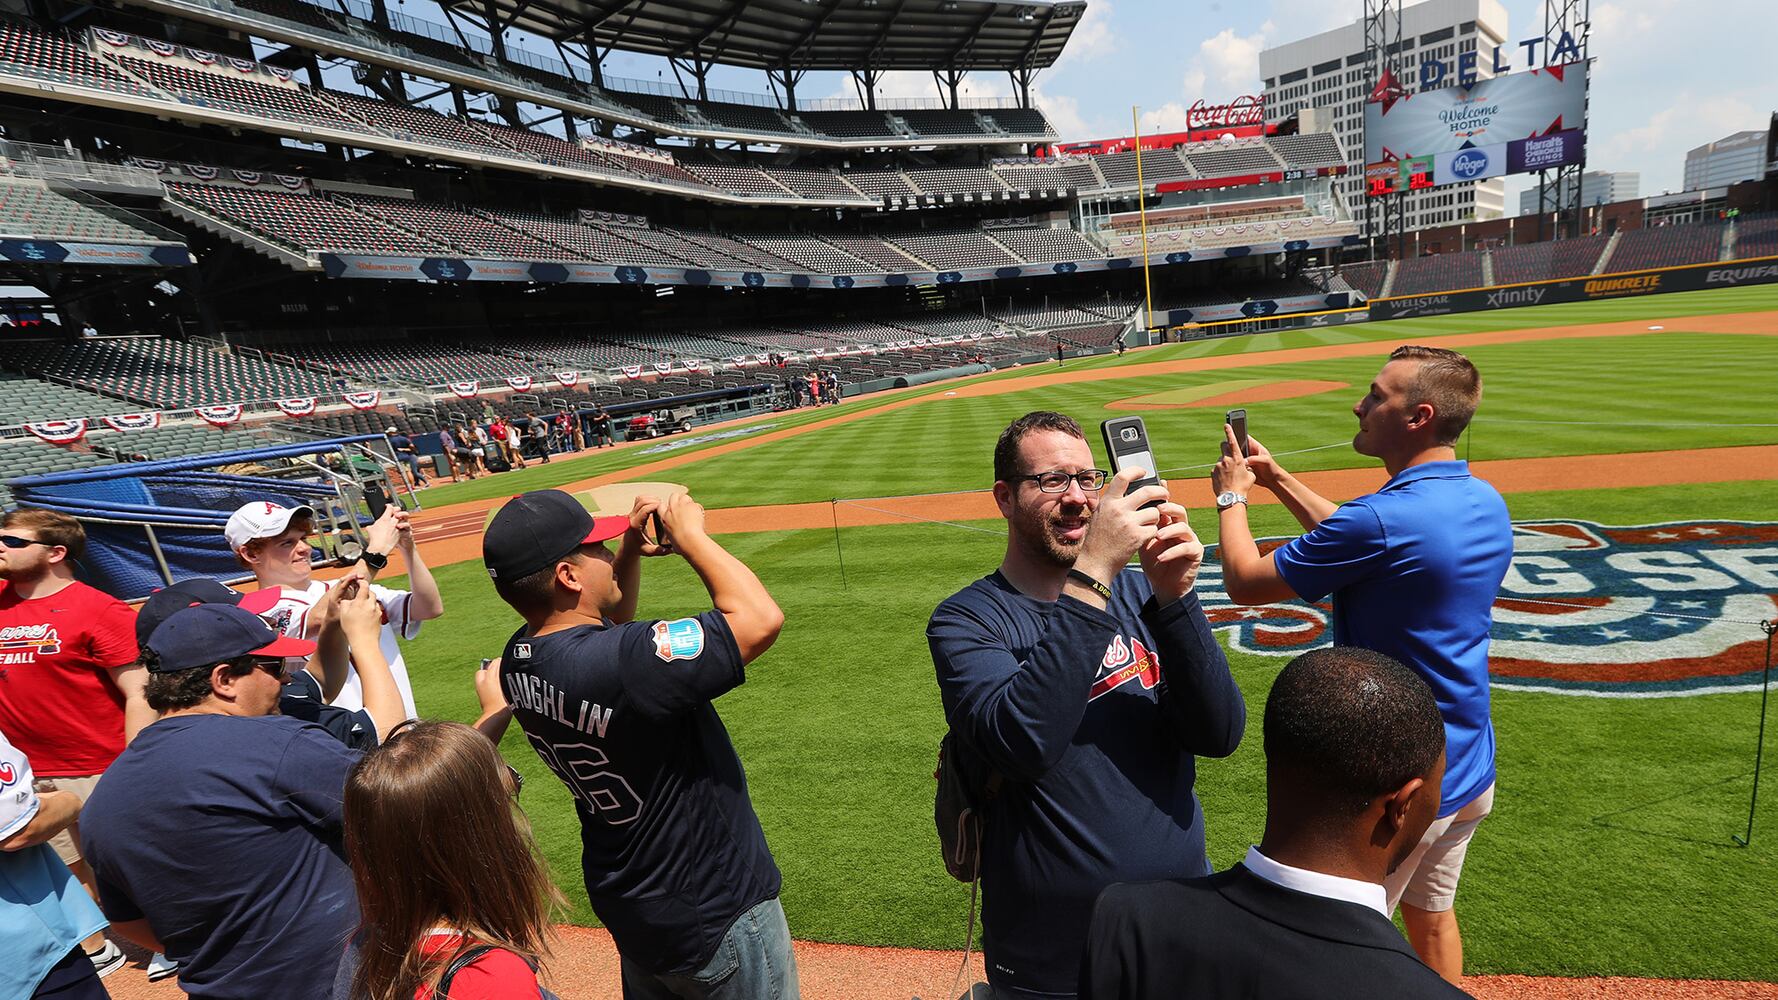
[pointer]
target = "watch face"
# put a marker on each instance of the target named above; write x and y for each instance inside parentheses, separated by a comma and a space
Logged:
(350, 550)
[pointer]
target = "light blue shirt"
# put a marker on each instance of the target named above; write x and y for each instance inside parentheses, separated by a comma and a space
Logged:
(1414, 569)
(44, 913)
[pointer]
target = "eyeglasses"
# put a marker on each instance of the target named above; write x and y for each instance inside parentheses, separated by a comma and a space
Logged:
(518, 780)
(1090, 480)
(273, 665)
(19, 541)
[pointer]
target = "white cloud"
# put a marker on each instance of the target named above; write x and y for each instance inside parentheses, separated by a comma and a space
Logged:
(1169, 117)
(1092, 37)
(1228, 64)
(1063, 112)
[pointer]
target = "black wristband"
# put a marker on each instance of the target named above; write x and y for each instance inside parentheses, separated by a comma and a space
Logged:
(374, 560)
(1091, 584)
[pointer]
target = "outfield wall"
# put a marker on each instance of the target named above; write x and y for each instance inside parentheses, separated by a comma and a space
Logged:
(1593, 288)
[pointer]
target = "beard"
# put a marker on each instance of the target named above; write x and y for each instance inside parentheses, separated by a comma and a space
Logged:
(1045, 535)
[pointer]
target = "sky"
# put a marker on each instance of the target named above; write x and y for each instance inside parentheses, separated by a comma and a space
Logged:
(1669, 74)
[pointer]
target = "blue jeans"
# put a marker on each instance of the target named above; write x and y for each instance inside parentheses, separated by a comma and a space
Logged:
(753, 962)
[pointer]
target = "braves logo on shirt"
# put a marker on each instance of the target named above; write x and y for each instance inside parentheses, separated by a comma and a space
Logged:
(9, 773)
(24, 643)
(1125, 662)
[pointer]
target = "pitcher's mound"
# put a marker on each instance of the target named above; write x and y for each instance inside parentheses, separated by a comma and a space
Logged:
(1236, 392)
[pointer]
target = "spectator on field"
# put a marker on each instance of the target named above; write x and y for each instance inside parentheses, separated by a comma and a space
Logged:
(458, 455)
(537, 430)
(660, 793)
(71, 687)
(272, 542)
(352, 621)
(515, 445)
(1354, 759)
(568, 432)
(215, 837)
(472, 904)
(1413, 570)
(831, 387)
(1089, 688)
(44, 912)
(403, 447)
(601, 425)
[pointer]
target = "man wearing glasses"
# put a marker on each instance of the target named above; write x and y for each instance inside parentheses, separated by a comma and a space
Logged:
(1088, 688)
(70, 686)
(215, 837)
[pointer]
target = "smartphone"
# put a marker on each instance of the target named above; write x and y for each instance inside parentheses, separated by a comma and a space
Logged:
(486, 660)
(377, 499)
(1237, 419)
(1126, 442)
(660, 529)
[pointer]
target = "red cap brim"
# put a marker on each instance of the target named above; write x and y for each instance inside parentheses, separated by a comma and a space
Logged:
(606, 528)
(286, 646)
(261, 601)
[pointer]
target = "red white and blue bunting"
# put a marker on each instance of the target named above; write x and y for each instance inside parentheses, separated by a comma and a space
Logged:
(567, 378)
(220, 415)
(663, 369)
(520, 382)
(366, 400)
(632, 371)
(59, 431)
(201, 57)
(132, 421)
(243, 65)
(248, 177)
(692, 365)
(200, 171)
(290, 182)
(166, 50)
(466, 390)
(299, 406)
(116, 39)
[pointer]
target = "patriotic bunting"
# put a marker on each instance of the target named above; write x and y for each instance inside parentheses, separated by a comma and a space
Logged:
(132, 421)
(466, 390)
(203, 58)
(692, 365)
(366, 400)
(59, 431)
(200, 171)
(158, 166)
(632, 371)
(166, 50)
(280, 72)
(293, 183)
(116, 39)
(248, 177)
(299, 406)
(243, 65)
(520, 382)
(567, 378)
(221, 415)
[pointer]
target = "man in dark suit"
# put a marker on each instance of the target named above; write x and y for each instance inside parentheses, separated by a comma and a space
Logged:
(1354, 762)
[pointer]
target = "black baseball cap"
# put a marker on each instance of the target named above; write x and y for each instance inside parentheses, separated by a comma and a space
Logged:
(538, 529)
(177, 597)
(215, 633)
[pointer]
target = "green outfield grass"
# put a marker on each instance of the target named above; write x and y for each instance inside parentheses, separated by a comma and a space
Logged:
(1609, 850)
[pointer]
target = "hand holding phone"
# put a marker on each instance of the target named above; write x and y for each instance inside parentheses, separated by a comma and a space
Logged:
(1237, 421)
(1126, 442)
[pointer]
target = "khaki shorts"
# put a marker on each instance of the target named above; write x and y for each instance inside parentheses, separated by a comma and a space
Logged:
(1427, 880)
(67, 843)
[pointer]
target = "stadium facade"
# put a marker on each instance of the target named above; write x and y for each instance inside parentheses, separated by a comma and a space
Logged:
(1327, 72)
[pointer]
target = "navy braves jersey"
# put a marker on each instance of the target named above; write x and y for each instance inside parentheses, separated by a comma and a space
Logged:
(671, 850)
(1093, 717)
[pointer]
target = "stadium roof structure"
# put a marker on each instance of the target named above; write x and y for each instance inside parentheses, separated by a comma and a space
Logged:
(845, 35)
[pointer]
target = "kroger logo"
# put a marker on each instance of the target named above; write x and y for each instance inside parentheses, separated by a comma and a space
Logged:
(1469, 164)
(1587, 609)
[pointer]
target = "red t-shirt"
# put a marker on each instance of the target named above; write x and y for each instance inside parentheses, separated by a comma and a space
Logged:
(57, 701)
(496, 975)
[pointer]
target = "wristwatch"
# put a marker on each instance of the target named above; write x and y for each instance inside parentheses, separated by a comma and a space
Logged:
(1229, 498)
(351, 551)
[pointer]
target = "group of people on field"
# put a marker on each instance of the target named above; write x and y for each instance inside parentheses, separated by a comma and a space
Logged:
(239, 781)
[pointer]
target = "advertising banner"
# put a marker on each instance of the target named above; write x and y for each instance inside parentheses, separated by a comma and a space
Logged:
(1477, 163)
(1545, 152)
(1758, 271)
(1492, 112)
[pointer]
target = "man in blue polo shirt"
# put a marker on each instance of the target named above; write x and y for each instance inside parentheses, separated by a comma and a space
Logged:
(1413, 569)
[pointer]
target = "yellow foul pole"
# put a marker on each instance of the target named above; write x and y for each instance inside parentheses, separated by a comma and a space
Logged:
(1142, 213)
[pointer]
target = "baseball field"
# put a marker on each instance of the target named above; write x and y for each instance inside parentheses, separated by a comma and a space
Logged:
(1636, 443)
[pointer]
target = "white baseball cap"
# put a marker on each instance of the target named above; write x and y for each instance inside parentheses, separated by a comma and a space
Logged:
(18, 803)
(261, 519)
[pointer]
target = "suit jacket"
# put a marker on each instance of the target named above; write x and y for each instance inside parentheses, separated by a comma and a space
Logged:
(1235, 935)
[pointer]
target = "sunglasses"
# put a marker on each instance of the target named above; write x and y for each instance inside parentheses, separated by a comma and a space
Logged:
(19, 542)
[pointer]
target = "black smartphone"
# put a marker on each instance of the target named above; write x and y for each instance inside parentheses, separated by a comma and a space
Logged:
(1237, 419)
(660, 530)
(377, 499)
(1126, 442)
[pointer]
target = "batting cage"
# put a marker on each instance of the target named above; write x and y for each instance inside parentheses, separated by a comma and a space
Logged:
(149, 524)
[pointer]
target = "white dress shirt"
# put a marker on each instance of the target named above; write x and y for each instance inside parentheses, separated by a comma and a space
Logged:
(1327, 886)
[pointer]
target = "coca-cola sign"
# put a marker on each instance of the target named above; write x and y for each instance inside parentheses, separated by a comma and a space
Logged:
(1247, 110)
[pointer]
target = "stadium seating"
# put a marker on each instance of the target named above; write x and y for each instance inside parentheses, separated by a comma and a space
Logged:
(213, 88)
(1044, 316)
(168, 373)
(56, 59)
(590, 242)
(874, 251)
(1046, 244)
(174, 441)
(950, 249)
(1666, 246)
(882, 183)
(1232, 161)
(24, 399)
(305, 222)
(848, 124)
(28, 456)
(1367, 277)
(423, 124)
(1438, 273)
(1756, 235)
(575, 352)
(1044, 175)
(29, 210)
(814, 183)
(471, 234)
(418, 362)
(749, 255)
(954, 181)
(1547, 261)
(1307, 151)
(739, 179)
(293, 10)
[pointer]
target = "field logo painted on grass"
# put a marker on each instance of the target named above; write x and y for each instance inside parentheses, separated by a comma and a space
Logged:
(675, 444)
(1595, 610)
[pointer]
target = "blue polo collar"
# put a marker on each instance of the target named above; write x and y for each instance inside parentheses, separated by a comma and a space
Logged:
(1455, 469)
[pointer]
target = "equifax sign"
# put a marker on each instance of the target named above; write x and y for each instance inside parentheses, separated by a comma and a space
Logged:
(1465, 68)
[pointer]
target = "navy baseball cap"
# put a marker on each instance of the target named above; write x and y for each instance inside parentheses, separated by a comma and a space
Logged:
(214, 633)
(177, 597)
(539, 529)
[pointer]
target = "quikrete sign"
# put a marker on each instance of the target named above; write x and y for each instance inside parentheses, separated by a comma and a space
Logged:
(1465, 69)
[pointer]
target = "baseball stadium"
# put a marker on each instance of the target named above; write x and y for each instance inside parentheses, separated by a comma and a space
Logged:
(309, 253)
